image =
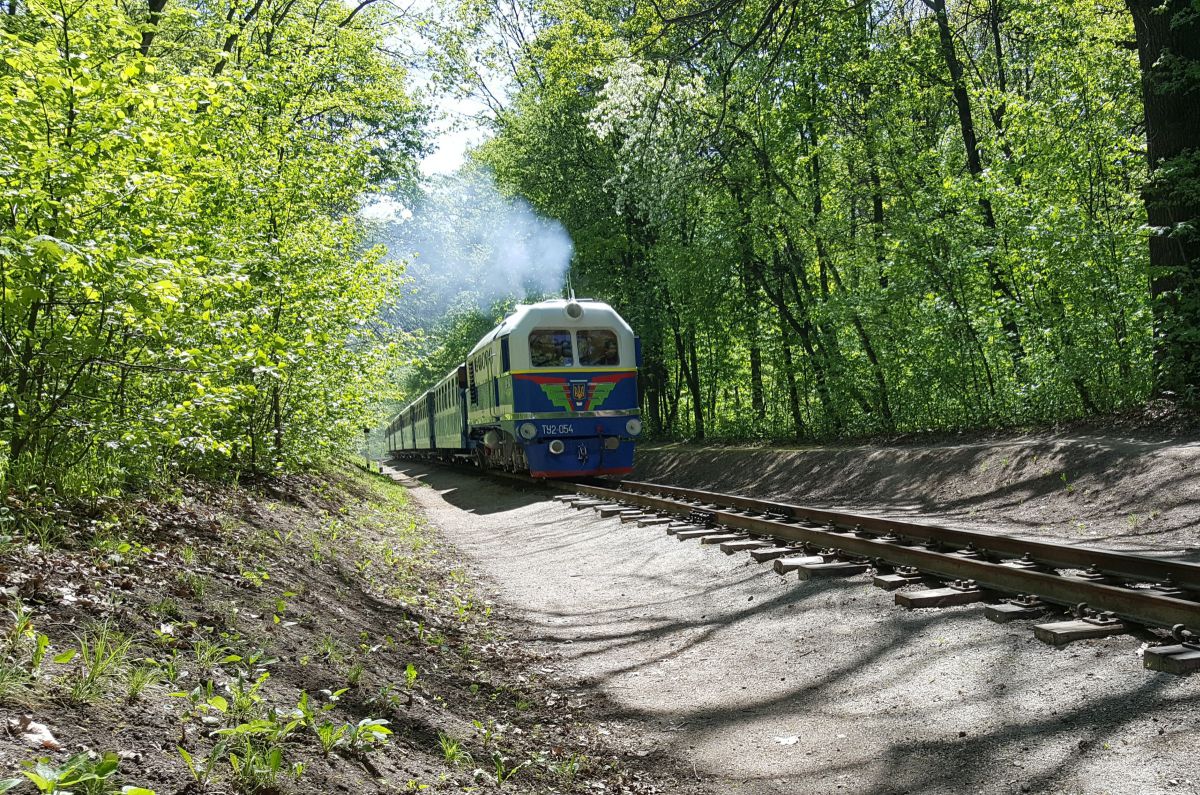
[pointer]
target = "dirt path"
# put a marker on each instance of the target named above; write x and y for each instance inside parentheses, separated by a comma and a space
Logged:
(767, 685)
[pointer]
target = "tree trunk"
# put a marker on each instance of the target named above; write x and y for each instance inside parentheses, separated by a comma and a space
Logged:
(790, 374)
(156, 8)
(1001, 107)
(962, 100)
(1168, 43)
(685, 351)
(877, 221)
(758, 399)
(693, 376)
(751, 309)
(804, 330)
(276, 423)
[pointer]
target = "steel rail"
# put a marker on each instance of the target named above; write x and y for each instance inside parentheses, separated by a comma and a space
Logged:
(1138, 568)
(1141, 606)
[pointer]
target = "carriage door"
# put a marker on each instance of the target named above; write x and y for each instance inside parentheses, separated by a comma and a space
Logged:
(460, 394)
(431, 413)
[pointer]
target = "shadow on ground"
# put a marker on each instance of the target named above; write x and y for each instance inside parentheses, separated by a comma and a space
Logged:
(1137, 494)
(716, 660)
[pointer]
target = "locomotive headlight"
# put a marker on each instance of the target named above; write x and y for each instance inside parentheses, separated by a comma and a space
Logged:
(557, 446)
(633, 426)
(574, 310)
(527, 430)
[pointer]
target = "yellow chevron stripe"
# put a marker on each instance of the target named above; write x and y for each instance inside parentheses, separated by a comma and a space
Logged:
(576, 370)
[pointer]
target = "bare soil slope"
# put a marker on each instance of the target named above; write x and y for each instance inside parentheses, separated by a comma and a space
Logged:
(1137, 490)
(261, 639)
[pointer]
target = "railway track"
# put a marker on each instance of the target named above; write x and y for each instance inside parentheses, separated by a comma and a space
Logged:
(1107, 592)
(927, 565)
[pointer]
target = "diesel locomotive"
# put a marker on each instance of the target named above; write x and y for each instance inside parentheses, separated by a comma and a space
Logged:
(551, 391)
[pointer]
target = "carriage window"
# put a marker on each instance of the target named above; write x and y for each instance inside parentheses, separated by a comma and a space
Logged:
(550, 348)
(598, 348)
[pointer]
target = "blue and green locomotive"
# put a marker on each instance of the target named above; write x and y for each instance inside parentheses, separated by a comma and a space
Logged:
(551, 391)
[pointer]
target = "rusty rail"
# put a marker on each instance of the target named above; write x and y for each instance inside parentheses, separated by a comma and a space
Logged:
(1138, 568)
(996, 562)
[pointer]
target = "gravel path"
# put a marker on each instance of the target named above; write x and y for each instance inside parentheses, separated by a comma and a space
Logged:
(768, 685)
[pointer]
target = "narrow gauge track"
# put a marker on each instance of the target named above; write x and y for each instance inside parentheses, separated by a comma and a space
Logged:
(1106, 589)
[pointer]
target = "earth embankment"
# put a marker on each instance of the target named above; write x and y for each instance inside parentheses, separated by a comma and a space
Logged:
(1131, 491)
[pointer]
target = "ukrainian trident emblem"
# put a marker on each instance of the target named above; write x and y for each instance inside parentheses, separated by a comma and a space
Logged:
(579, 393)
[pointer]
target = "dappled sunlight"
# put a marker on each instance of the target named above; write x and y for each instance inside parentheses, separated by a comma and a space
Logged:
(772, 685)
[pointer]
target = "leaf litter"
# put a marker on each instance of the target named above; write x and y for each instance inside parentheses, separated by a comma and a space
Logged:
(325, 588)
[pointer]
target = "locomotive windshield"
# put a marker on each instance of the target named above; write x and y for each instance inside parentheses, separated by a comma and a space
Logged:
(598, 348)
(551, 348)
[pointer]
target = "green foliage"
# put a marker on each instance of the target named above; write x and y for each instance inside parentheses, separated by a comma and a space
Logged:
(258, 769)
(184, 282)
(366, 735)
(202, 769)
(452, 751)
(410, 676)
(244, 696)
(101, 655)
(140, 678)
(447, 343)
(503, 769)
(330, 735)
(813, 231)
(82, 774)
(255, 752)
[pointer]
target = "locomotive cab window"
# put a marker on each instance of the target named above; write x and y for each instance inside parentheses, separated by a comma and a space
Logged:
(598, 348)
(551, 348)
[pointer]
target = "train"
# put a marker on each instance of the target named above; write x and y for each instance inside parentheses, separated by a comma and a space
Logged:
(551, 391)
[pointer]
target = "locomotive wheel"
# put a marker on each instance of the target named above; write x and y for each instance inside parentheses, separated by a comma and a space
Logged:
(481, 459)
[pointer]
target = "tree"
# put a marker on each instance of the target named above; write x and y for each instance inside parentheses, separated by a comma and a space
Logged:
(184, 284)
(830, 218)
(1168, 46)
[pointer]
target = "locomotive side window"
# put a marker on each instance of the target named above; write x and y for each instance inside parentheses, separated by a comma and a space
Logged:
(550, 348)
(598, 348)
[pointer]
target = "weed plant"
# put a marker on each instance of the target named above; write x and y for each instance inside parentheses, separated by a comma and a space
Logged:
(82, 774)
(202, 768)
(100, 656)
(14, 681)
(453, 752)
(354, 675)
(208, 653)
(141, 677)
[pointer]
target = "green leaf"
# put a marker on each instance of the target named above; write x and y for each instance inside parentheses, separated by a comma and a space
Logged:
(107, 765)
(41, 782)
(66, 656)
(187, 759)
